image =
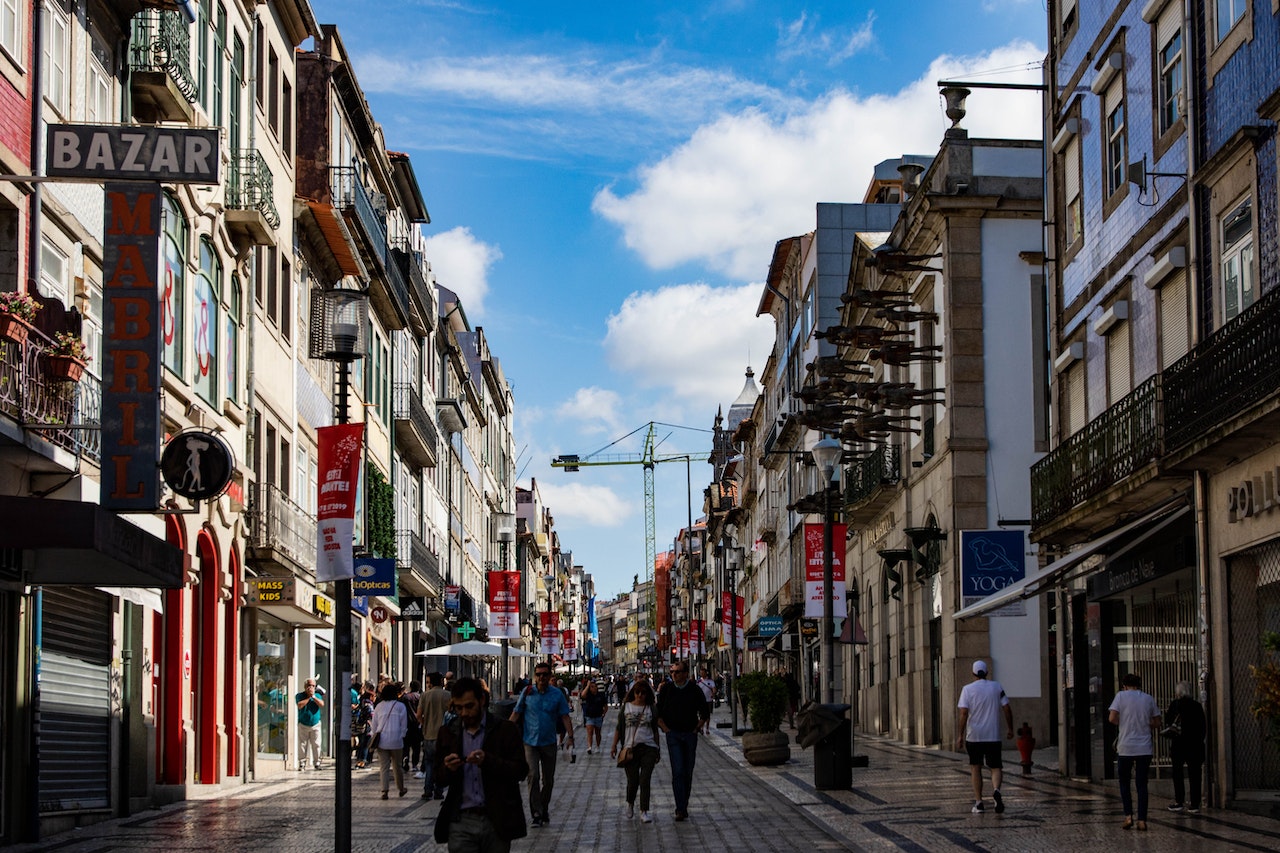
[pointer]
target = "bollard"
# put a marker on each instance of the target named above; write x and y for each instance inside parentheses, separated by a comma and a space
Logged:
(1026, 743)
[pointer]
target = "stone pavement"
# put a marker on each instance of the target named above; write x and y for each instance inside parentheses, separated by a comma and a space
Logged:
(908, 799)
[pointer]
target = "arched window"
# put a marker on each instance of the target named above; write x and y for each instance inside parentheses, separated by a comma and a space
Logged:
(204, 322)
(173, 283)
(235, 299)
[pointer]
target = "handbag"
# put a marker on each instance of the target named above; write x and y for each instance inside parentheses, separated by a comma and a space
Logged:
(628, 753)
(1174, 729)
(377, 739)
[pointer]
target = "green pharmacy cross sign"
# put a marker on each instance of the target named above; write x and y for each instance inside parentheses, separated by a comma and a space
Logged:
(467, 630)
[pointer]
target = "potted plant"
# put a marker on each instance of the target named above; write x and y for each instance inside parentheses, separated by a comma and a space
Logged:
(17, 313)
(67, 357)
(765, 697)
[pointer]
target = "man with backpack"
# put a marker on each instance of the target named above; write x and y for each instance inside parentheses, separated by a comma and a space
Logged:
(537, 712)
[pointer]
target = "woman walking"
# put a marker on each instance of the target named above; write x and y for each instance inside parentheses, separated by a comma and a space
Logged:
(1138, 716)
(361, 724)
(593, 703)
(637, 730)
(1186, 725)
(390, 724)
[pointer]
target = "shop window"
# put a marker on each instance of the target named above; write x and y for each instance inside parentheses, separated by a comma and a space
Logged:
(1238, 273)
(271, 685)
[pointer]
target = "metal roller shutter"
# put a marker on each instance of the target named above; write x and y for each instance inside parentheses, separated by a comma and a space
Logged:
(75, 699)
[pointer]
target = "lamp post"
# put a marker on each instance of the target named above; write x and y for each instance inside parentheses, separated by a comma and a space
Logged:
(346, 312)
(732, 557)
(826, 454)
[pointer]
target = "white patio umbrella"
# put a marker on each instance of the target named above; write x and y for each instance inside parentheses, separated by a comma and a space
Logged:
(474, 649)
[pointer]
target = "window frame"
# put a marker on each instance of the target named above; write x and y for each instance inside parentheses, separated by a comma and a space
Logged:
(1115, 186)
(1246, 244)
(11, 35)
(57, 94)
(1169, 93)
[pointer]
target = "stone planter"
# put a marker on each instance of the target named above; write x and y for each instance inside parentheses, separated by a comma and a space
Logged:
(766, 749)
(65, 368)
(14, 328)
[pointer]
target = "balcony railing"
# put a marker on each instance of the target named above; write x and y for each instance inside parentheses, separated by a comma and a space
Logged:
(1108, 449)
(67, 414)
(1227, 373)
(883, 467)
(418, 289)
(349, 194)
(279, 524)
(412, 553)
(418, 435)
(160, 43)
(399, 287)
(252, 186)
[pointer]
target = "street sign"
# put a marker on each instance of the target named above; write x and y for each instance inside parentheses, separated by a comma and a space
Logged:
(467, 630)
(175, 155)
(769, 626)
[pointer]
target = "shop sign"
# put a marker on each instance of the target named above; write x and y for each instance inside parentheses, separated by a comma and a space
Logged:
(1253, 496)
(322, 605)
(452, 596)
(808, 627)
(375, 577)
(756, 644)
(379, 614)
(990, 560)
(170, 154)
(271, 591)
(413, 608)
(1165, 555)
(769, 626)
(197, 465)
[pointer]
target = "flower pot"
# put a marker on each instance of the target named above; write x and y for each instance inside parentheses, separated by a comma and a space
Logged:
(65, 368)
(14, 328)
(766, 749)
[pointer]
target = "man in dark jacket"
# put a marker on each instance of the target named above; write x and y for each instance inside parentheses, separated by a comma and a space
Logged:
(682, 710)
(481, 758)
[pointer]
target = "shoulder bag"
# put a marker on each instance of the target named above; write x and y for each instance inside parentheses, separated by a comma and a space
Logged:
(628, 754)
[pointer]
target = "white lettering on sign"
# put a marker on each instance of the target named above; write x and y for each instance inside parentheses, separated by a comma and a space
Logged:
(1253, 496)
(179, 155)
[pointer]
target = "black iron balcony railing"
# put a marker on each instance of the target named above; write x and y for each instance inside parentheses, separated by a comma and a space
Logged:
(349, 193)
(1228, 372)
(399, 286)
(251, 186)
(882, 468)
(1108, 449)
(412, 553)
(418, 289)
(408, 407)
(277, 523)
(63, 413)
(160, 42)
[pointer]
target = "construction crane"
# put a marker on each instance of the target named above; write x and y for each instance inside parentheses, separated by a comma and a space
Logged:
(649, 458)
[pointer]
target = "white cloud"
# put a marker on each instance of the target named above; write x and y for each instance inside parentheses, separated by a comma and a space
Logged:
(595, 505)
(692, 340)
(803, 38)
(741, 183)
(461, 263)
(594, 409)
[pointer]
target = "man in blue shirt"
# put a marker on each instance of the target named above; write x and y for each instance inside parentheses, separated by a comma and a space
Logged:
(536, 712)
(310, 702)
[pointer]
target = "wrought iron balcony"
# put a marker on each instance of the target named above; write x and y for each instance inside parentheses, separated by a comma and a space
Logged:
(413, 554)
(1111, 447)
(280, 531)
(350, 196)
(62, 413)
(416, 433)
(251, 206)
(160, 66)
(397, 296)
(868, 481)
(422, 306)
(1224, 376)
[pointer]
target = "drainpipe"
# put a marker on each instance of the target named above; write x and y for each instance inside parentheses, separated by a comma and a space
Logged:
(1204, 652)
(35, 203)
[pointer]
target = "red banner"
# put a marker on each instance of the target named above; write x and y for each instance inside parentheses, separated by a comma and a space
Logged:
(698, 636)
(549, 620)
(504, 605)
(732, 618)
(570, 644)
(815, 569)
(339, 449)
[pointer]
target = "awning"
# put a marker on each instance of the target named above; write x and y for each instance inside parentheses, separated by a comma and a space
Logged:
(81, 544)
(326, 223)
(1113, 544)
(138, 595)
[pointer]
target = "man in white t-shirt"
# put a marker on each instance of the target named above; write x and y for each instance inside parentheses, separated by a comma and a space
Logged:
(981, 702)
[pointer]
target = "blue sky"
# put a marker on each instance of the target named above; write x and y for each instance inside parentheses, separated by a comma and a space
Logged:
(607, 182)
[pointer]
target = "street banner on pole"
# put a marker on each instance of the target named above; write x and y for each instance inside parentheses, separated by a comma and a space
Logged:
(453, 598)
(550, 632)
(570, 644)
(698, 636)
(815, 568)
(732, 607)
(339, 473)
(504, 605)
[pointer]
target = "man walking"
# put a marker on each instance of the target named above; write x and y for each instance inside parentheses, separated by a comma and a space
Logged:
(537, 711)
(682, 710)
(481, 761)
(433, 704)
(980, 705)
(310, 702)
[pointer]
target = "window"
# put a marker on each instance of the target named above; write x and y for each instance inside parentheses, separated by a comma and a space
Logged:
(271, 274)
(54, 268)
(260, 55)
(236, 104)
(286, 120)
(1119, 375)
(201, 35)
(1229, 12)
(286, 299)
(99, 96)
(56, 51)
(1169, 61)
(1116, 152)
(11, 27)
(1175, 319)
(173, 283)
(234, 307)
(204, 322)
(1066, 18)
(1074, 408)
(1073, 207)
(273, 91)
(1238, 275)
(219, 66)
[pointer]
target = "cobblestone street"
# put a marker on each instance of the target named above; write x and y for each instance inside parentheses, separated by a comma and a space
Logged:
(908, 799)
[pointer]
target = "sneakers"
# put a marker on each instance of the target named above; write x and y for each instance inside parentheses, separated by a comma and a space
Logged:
(1175, 807)
(419, 775)
(588, 750)
(682, 815)
(1193, 810)
(978, 808)
(645, 817)
(999, 802)
(631, 810)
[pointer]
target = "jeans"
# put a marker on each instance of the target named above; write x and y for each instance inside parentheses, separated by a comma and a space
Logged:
(308, 741)
(542, 778)
(682, 749)
(1195, 772)
(639, 772)
(388, 765)
(473, 833)
(428, 766)
(1134, 765)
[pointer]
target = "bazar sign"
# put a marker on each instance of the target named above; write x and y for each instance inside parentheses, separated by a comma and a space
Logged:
(104, 152)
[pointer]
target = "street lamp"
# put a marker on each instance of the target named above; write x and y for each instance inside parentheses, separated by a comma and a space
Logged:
(826, 454)
(346, 312)
(732, 558)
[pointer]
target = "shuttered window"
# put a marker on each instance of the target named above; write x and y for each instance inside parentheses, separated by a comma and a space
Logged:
(1119, 374)
(1075, 413)
(1175, 319)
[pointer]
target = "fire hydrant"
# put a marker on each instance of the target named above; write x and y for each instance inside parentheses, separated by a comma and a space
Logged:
(1026, 743)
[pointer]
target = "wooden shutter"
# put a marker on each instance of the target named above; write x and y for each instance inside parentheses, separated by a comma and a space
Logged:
(1119, 381)
(1175, 319)
(1076, 404)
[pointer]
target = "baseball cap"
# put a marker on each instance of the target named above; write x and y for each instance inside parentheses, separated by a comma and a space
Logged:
(979, 667)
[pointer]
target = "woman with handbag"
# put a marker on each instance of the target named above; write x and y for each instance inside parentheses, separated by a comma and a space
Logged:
(390, 724)
(1185, 727)
(637, 731)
